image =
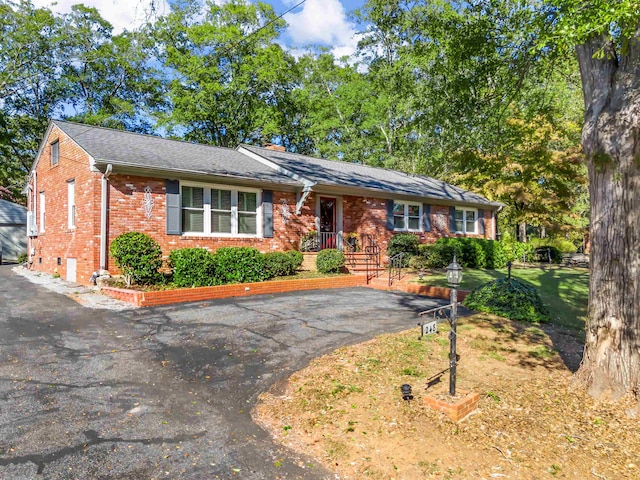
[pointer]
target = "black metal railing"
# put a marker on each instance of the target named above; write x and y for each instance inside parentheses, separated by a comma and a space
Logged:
(349, 251)
(395, 267)
(372, 256)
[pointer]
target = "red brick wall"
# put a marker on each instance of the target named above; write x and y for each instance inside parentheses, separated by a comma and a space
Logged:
(58, 240)
(126, 196)
(368, 215)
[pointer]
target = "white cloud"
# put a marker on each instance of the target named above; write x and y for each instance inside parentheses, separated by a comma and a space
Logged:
(322, 22)
(122, 14)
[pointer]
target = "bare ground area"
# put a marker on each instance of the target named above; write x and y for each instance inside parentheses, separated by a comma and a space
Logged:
(532, 422)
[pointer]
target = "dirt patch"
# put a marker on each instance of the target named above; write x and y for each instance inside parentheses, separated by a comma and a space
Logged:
(346, 410)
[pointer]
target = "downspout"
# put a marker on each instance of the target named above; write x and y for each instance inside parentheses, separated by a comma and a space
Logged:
(104, 216)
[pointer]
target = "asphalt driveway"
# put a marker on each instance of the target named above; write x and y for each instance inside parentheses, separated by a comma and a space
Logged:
(165, 392)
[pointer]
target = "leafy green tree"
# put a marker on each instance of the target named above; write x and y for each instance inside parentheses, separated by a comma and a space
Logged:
(230, 81)
(108, 79)
(605, 36)
(28, 86)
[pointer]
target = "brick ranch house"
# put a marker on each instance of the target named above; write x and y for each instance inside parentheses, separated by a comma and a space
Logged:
(90, 184)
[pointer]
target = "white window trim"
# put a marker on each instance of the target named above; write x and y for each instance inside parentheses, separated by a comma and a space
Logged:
(42, 212)
(406, 217)
(57, 156)
(71, 203)
(234, 210)
(464, 221)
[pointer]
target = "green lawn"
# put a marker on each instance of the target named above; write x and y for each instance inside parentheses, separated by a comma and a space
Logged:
(565, 291)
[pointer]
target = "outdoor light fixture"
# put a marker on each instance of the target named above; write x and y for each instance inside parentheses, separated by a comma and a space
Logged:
(406, 392)
(454, 277)
(454, 273)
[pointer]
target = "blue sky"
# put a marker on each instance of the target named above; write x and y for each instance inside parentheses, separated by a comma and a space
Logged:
(316, 22)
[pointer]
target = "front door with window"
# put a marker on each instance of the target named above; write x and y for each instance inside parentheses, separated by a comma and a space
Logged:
(328, 217)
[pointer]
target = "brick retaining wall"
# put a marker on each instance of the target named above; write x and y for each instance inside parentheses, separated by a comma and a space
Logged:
(180, 295)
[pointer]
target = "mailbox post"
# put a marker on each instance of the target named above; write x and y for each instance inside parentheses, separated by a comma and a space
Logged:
(454, 277)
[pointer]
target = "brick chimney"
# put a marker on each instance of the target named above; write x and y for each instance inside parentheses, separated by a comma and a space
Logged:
(277, 148)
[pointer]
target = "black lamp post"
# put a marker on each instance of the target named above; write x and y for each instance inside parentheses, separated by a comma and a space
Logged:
(454, 277)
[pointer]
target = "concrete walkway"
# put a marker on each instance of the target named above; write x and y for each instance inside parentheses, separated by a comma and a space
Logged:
(165, 392)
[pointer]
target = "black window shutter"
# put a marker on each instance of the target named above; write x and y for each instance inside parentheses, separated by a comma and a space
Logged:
(267, 213)
(426, 211)
(481, 222)
(173, 207)
(390, 221)
(452, 219)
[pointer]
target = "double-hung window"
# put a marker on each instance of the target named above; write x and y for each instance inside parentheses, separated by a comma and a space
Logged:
(466, 220)
(71, 203)
(193, 209)
(55, 153)
(42, 212)
(220, 211)
(406, 216)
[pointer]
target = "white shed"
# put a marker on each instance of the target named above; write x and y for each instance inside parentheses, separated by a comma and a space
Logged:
(13, 230)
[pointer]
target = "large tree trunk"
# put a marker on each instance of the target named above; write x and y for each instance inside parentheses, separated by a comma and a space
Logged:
(611, 140)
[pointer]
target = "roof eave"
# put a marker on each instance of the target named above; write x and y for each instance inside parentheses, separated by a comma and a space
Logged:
(193, 175)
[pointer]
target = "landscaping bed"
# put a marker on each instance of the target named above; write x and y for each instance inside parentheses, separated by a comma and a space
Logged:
(150, 298)
(346, 409)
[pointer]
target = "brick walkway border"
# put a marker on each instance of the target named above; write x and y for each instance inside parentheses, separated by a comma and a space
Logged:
(180, 295)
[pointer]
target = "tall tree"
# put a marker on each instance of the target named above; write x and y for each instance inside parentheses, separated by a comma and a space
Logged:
(229, 77)
(29, 87)
(606, 36)
(108, 79)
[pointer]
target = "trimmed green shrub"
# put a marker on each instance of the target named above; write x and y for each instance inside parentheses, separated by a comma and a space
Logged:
(403, 243)
(510, 298)
(138, 256)
(296, 257)
(192, 267)
(239, 265)
(419, 262)
(22, 258)
(562, 244)
(518, 251)
(329, 260)
(279, 264)
(440, 254)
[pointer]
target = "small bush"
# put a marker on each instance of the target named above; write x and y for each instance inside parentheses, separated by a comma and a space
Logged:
(296, 258)
(509, 298)
(518, 252)
(562, 244)
(192, 267)
(138, 256)
(279, 264)
(440, 254)
(239, 265)
(403, 243)
(22, 258)
(419, 262)
(329, 260)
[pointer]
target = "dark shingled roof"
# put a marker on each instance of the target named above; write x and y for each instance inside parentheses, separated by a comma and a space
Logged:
(123, 148)
(345, 174)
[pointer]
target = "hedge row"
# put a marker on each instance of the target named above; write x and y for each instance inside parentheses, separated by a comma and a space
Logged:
(139, 257)
(470, 252)
(197, 267)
